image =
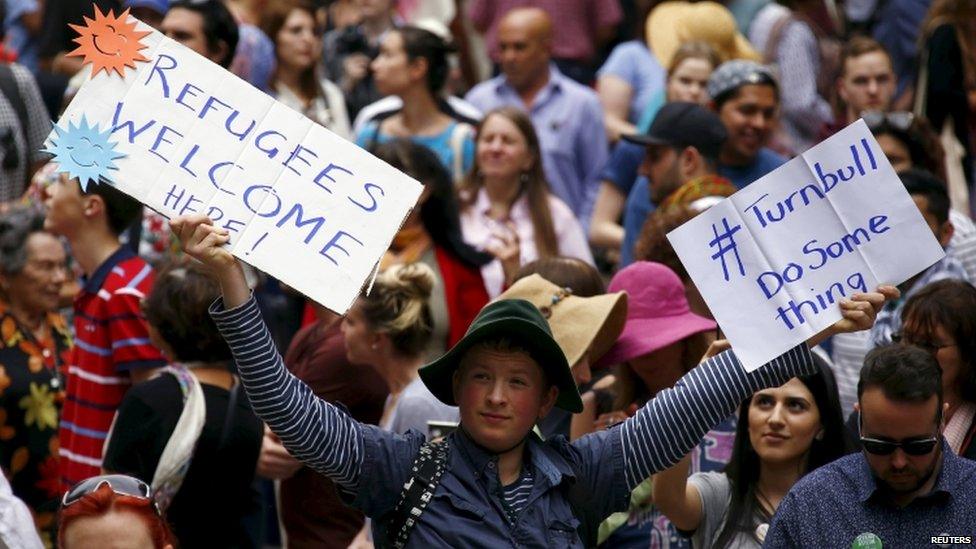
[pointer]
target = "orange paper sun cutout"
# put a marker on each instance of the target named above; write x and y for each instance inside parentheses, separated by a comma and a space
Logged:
(109, 43)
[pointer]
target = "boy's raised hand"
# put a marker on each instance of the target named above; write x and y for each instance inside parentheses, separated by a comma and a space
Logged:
(203, 241)
(859, 312)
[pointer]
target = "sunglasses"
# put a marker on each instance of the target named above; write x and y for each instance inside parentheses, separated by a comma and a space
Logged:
(122, 485)
(916, 447)
(900, 120)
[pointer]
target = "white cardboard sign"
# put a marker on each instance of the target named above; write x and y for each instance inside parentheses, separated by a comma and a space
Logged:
(773, 260)
(301, 203)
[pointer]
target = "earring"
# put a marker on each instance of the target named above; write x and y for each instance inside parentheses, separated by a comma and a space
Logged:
(524, 178)
(819, 435)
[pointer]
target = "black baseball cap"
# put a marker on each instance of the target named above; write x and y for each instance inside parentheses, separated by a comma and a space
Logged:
(681, 125)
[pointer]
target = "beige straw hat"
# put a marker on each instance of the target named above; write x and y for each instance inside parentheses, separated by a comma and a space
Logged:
(671, 24)
(576, 322)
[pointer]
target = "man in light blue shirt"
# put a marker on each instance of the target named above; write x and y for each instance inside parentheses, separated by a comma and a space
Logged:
(567, 116)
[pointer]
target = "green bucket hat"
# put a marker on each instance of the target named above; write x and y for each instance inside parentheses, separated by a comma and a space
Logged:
(520, 322)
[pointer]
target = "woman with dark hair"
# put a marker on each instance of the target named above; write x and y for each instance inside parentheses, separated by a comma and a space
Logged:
(781, 435)
(412, 64)
(946, 89)
(348, 51)
(431, 234)
(940, 318)
(112, 511)
(506, 206)
(296, 81)
(189, 432)
(34, 345)
(909, 143)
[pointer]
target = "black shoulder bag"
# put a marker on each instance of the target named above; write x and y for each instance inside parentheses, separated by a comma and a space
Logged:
(428, 467)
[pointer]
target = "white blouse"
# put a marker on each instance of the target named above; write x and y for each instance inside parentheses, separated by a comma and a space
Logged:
(478, 230)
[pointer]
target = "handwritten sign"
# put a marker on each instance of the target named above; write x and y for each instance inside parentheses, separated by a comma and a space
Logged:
(183, 135)
(773, 260)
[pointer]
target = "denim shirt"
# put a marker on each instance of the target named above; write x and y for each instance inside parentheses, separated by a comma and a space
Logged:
(570, 496)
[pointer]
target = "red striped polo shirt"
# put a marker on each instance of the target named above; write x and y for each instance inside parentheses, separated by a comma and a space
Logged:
(110, 339)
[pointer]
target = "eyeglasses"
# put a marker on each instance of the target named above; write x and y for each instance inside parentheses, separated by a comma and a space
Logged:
(915, 447)
(900, 120)
(122, 485)
(928, 346)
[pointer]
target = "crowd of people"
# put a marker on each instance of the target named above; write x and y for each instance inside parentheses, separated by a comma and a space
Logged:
(533, 366)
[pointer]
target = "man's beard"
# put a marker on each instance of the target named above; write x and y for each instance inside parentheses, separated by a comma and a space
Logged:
(923, 479)
(671, 182)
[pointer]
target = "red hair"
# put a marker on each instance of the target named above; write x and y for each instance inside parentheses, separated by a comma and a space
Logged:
(104, 500)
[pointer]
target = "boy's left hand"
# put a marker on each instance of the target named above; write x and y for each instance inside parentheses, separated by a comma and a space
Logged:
(859, 312)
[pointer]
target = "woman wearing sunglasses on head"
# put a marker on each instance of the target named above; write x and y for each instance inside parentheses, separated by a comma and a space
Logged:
(112, 511)
(940, 319)
(782, 434)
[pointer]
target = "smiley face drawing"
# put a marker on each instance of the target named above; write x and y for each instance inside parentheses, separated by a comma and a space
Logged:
(84, 152)
(109, 43)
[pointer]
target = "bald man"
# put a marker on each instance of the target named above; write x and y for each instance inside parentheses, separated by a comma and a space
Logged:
(525, 49)
(567, 116)
(584, 27)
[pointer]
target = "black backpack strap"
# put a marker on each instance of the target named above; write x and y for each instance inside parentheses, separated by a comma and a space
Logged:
(428, 467)
(8, 85)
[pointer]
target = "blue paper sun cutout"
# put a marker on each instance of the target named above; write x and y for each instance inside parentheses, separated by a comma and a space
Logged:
(83, 152)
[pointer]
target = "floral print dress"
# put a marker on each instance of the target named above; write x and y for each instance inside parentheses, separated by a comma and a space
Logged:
(31, 394)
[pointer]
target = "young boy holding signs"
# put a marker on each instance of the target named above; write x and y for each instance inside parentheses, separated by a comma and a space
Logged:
(496, 483)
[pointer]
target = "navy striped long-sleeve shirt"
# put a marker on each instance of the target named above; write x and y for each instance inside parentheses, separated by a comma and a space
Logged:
(331, 442)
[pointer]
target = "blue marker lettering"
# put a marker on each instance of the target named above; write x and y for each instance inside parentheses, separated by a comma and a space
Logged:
(186, 160)
(297, 210)
(209, 105)
(272, 152)
(334, 243)
(213, 175)
(269, 193)
(366, 188)
(160, 139)
(297, 154)
(130, 125)
(324, 174)
(191, 90)
(158, 69)
(230, 121)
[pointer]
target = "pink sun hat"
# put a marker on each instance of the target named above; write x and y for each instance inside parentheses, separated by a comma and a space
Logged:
(658, 313)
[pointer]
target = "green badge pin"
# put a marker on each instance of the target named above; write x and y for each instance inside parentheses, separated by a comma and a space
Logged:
(867, 540)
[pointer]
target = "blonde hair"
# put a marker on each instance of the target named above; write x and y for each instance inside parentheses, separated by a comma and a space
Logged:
(399, 306)
(694, 50)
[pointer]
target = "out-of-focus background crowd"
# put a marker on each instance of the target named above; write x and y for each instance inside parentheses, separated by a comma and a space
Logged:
(561, 138)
